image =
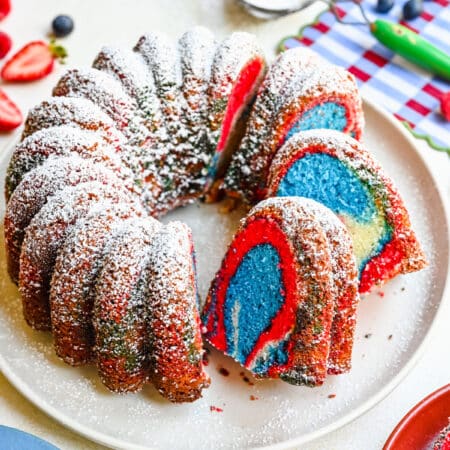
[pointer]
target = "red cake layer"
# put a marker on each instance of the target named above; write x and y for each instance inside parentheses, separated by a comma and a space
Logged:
(242, 90)
(259, 231)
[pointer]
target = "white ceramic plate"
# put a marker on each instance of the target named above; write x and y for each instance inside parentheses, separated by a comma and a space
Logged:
(392, 329)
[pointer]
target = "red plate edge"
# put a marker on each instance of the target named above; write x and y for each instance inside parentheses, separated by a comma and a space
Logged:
(421, 425)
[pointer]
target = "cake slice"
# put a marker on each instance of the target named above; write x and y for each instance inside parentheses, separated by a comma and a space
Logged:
(287, 67)
(272, 303)
(176, 361)
(238, 68)
(320, 96)
(120, 315)
(336, 170)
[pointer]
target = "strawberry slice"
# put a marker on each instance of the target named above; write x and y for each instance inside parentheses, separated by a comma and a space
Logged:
(5, 8)
(10, 115)
(34, 61)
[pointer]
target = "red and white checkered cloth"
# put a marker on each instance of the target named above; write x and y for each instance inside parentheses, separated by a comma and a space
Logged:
(411, 94)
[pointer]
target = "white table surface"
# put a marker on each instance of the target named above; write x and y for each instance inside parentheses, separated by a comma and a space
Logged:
(122, 21)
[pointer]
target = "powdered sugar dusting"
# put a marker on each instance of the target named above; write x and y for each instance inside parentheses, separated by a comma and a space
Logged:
(45, 235)
(318, 80)
(35, 189)
(176, 357)
(121, 343)
(76, 112)
(73, 283)
(62, 141)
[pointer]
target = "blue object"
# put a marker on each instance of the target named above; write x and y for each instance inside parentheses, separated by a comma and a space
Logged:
(62, 25)
(327, 180)
(326, 115)
(13, 439)
(412, 9)
(384, 6)
(253, 298)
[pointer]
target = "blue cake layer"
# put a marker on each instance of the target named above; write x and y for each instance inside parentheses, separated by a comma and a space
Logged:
(326, 115)
(253, 298)
(327, 180)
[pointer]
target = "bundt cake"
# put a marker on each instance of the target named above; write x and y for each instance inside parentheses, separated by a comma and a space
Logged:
(335, 170)
(47, 232)
(272, 304)
(149, 129)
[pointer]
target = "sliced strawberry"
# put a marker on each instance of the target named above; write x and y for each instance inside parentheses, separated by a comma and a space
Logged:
(5, 8)
(32, 62)
(5, 44)
(10, 115)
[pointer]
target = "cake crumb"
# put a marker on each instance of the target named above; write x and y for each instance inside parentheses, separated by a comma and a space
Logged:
(253, 397)
(246, 379)
(381, 294)
(332, 396)
(223, 371)
(390, 337)
(213, 408)
(368, 335)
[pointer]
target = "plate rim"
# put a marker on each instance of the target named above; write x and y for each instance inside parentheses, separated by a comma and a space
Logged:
(346, 419)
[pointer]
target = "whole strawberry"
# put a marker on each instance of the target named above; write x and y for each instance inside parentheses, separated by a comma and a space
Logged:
(5, 8)
(34, 61)
(5, 44)
(10, 115)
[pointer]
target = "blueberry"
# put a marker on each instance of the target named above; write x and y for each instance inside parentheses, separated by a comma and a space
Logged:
(383, 6)
(62, 25)
(412, 9)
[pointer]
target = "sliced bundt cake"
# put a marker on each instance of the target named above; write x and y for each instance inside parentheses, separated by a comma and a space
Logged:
(334, 169)
(148, 129)
(271, 305)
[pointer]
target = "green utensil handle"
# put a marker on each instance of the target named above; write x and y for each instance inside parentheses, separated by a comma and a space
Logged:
(412, 47)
